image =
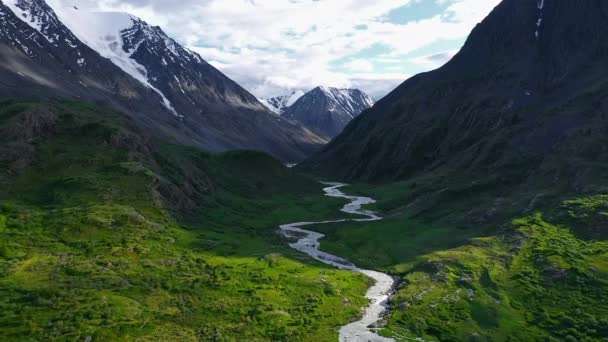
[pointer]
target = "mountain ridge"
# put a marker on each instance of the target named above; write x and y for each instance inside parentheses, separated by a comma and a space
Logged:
(509, 97)
(324, 110)
(199, 105)
(279, 104)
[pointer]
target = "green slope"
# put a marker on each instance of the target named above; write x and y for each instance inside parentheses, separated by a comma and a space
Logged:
(486, 265)
(109, 234)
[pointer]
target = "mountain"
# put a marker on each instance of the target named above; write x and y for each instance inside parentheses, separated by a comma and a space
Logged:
(323, 110)
(118, 59)
(327, 111)
(523, 102)
(491, 174)
(42, 58)
(279, 104)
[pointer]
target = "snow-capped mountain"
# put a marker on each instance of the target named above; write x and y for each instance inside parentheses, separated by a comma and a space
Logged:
(327, 111)
(150, 56)
(110, 35)
(279, 104)
(123, 61)
(41, 57)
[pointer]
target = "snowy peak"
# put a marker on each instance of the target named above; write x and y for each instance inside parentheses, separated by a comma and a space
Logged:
(157, 41)
(279, 104)
(38, 15)
(181, 77)
(351, 101)
(111, 35)
(47, 26)
(119, 60)
(327, 110)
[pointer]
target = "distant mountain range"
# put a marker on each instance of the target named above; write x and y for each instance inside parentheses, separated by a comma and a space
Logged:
(120, 60)
(323, 110)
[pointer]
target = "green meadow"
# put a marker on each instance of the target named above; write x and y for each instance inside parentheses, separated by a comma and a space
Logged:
(109, 235)
(542, 276)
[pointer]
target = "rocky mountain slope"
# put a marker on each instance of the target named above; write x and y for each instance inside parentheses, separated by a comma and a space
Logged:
(324, 110)
(121, 60)
(524, 100)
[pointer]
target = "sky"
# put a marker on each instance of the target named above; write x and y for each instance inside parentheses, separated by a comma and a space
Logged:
(274, 47)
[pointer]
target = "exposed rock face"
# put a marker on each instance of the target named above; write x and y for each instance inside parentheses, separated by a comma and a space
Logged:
(18, 152)
(526, 95)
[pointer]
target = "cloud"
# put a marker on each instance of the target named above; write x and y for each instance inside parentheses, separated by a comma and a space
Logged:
(275, 46)
(376, 85)
(359, 65)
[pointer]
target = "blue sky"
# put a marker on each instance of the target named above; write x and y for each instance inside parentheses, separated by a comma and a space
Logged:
(273, 47)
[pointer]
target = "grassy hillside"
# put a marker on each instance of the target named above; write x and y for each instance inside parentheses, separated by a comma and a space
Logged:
(107, 234)
(486, 265)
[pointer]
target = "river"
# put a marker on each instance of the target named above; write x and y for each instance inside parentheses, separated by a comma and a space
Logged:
(378, 294)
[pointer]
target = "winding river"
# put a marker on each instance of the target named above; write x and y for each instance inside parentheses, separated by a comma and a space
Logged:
(378, 295)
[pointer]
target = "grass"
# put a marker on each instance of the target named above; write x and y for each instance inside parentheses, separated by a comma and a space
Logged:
(107, 234)
(390, 245)
(539, 277)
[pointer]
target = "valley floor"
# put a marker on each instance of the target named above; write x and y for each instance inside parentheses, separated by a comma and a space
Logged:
(106, 236)
(109, 235)
(541, 277)
(308, 242)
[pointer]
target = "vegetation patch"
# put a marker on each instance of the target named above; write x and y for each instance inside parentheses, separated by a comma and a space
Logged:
(537, 278)
(108, 235)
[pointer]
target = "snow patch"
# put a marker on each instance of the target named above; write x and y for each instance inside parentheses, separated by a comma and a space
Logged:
(70, 44)
(539, 21)
(347, 99)
(179, 83)
(279, 104)
(295, 96)
(21, 9)
(270, 106)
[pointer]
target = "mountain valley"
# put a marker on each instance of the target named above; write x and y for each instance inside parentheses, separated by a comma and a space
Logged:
(146, 196)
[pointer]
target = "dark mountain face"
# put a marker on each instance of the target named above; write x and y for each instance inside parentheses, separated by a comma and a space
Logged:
(327, 111)
(527, 95)
(167, 88)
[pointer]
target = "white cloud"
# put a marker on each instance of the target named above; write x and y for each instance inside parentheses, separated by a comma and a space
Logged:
(359, 65)
(274, 46)
(378, 85)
